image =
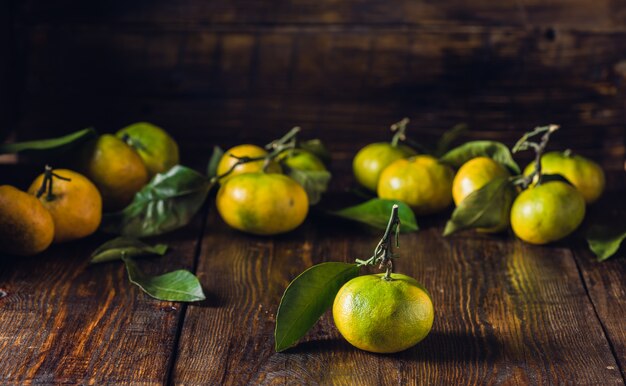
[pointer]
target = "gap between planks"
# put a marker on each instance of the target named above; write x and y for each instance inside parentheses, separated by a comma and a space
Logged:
(605, 331)
(205, 212)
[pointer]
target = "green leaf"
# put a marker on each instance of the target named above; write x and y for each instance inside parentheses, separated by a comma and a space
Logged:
(127, 246)
(316, 147)
(51, 144)
(167, 203)
(216, 156)
(306, 298)
(375, 212)
(604, 240)
(362, 192)
(315, 183)
(450, 136)
(175, 286)
(492, 149)
(488, 207)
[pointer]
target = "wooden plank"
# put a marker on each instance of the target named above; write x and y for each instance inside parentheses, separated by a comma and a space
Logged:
(507, 313)
(339, 63)
(8, 66)
(345, 126)
(64, 321)
(206, 84)
(578, 14)
(604, 281)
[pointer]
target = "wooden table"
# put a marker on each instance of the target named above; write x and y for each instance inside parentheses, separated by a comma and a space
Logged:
(506, 312)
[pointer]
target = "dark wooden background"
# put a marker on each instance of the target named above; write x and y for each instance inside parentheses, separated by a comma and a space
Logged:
(224, 71)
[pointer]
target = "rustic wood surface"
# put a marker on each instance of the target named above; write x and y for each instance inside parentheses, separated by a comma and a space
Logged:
(506, 312)
(65, 321)
(226, 72)
(600, 15)
(607, 297)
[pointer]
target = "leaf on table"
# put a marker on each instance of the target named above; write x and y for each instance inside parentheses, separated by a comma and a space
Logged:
(316, 147)
(487, 207)
(175, 286)
(166, 203)
(216, 156)
(306, 298)
(51, 144)
(605, 239)
(315, 183)
(375, 213)
(125, 246)
(497, 151)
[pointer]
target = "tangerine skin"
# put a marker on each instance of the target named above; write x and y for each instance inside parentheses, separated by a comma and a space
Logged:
(421, 182)
(262, 203)
(370, 161)
(383, 316)
(158, 150)
(586, 175)
(76, 205)
(548, 212)
(473, 175)
(302, 160)
(115, 168)
(245, 150)
(26, 227)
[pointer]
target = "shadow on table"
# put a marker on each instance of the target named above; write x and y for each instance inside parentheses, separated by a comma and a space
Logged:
(317, 346)
(437, 347)
(212, 300)
(454, 347)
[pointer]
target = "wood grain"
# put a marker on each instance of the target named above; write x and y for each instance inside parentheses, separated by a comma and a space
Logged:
(339, 62)
(64, 321)
(603, 14)
(8, 69)
(602, 279)
(207, 71)
(201, 124)
(240, 71)
(608, 297)
(206, 84)
(506, 313)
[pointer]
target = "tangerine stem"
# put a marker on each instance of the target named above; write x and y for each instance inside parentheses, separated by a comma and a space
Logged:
(290, 136)
(399, 129)
(387, 256)
(539, 147)
(286, 142)
(126, 138)
(383, 253)
(46, 184)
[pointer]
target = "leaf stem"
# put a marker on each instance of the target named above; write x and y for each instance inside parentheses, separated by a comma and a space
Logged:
(292, 135)
(126, 138)
(383, 253)
(539, 147)
(286, 142)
